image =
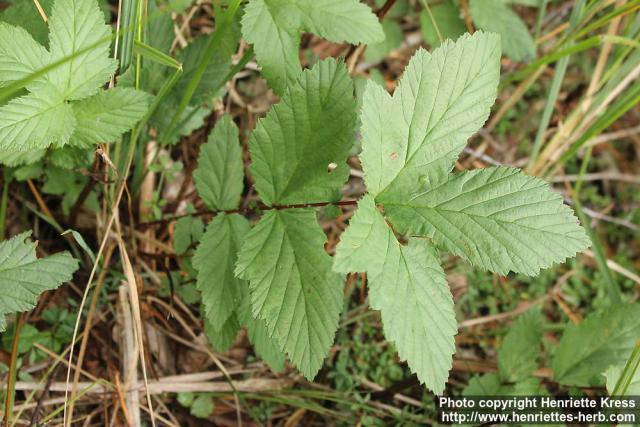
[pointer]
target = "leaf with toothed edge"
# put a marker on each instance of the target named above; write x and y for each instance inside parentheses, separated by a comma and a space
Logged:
(292, 286)
(23, 276)
(408, 286)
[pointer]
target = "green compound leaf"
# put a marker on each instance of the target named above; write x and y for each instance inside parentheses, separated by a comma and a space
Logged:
(518, 355)
(214, 259)
(20, 54)
(36, 121)
(274, 28)
(310, 130)
(23, 277)
(601, 340)
(497, 16)
(292, 286)
(411, 139)
(496, 218)
(24, 14)
(105, 116)
(78, 25)
(220, 169)
(222, 336)
(265, 347)
(79, 48)
(409, 287)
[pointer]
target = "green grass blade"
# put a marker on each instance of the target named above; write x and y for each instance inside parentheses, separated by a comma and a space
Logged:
(628, 373)
(613, 289)
(556, 84)
(155, 55)
(224, 25)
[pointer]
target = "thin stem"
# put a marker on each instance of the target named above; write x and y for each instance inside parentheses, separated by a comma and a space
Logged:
(11, 376)
(258, 208)
(613, 288)
(554, 91)
(433, 20)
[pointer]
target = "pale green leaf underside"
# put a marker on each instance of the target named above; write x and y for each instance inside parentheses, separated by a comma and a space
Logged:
(274, 28)
(107, 115)
(497, 16)
(220, 172)
(408, 286)
(292, 286)
(613, 374)
(497, 218)
(20, 54)
(214, 259)
(23, 277)
(35, 121)
(601, 340)
(75, 26)
(412, 139)
(311, 128)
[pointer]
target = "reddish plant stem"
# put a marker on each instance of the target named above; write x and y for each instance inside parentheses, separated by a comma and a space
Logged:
(258, 208)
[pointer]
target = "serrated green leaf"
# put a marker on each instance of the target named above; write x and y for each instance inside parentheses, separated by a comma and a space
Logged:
(188, 230)
(222, 336)
(20, 55)
(70, 157)
(35, 121)
(13, 157)
(292, 286)
(202, 406)
(24, 14)
(214, 259)
(447, 16)
(23, 277)
(411, 139)
(266, 348)
(601, 340)
(311, 128)
(274, 28)
(497, 218)
(220, 172)
(497, 16)
(485, 385)
(76, 25)
(107, 115)
(518, 355)
(408, 286)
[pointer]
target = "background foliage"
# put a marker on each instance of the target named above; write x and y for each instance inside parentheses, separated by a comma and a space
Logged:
(213, 154)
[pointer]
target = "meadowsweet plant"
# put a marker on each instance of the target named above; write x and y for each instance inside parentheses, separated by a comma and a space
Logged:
(269, 271)
(66, 108)
(276, 277)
